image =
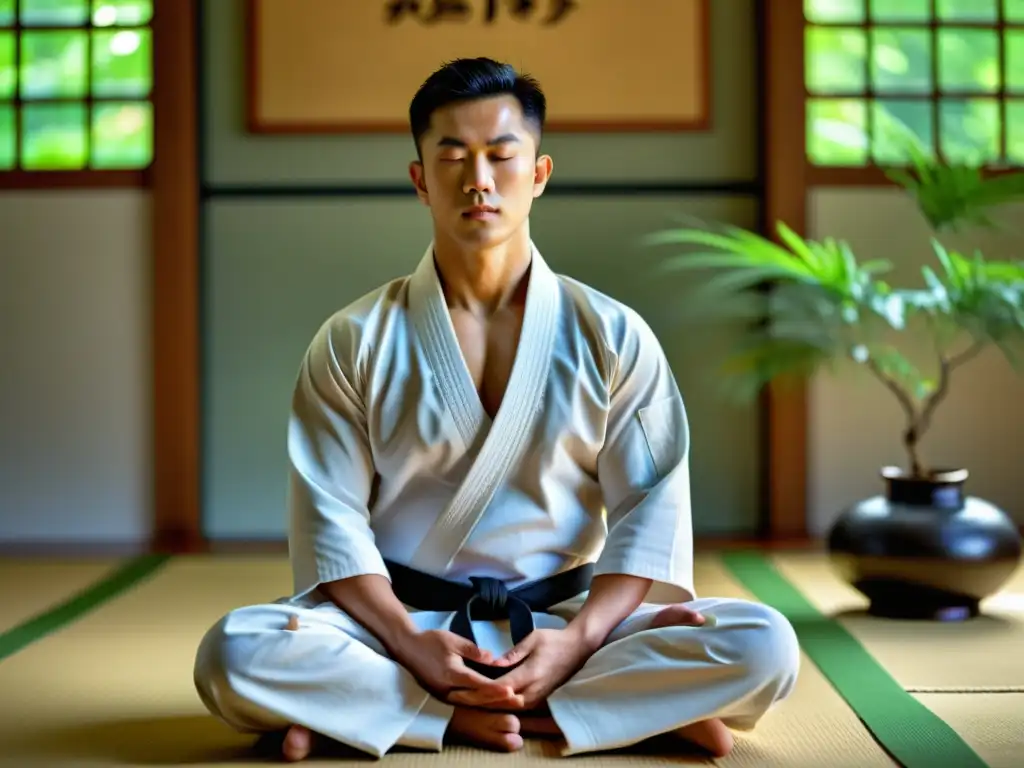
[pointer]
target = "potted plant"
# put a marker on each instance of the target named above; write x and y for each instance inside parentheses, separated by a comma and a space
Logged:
(812, 304)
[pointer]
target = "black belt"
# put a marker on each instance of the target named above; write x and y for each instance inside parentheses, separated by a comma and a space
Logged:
(487, 599)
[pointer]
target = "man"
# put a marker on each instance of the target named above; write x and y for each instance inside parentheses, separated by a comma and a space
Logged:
(486, 429)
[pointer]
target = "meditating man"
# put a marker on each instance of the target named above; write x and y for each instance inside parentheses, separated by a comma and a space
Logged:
(490, 527)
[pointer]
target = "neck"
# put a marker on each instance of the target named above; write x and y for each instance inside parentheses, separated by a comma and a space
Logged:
(483, 280)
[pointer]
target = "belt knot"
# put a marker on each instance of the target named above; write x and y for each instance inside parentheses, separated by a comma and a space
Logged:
(492, 592)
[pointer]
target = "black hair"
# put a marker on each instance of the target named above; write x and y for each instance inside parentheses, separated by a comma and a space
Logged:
(470, 79)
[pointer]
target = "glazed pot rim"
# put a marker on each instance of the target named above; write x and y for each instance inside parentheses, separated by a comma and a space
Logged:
(898, 474)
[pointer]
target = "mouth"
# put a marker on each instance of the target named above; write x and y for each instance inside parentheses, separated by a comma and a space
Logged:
(480, 212)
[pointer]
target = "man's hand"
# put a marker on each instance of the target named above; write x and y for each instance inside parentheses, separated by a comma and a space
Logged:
(438, 660)
(548, 658)
(677, 616)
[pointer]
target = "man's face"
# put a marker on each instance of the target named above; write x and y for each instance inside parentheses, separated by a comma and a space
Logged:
(480, 170)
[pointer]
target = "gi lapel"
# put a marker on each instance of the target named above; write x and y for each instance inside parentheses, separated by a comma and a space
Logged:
(513, 425)
(434, 325)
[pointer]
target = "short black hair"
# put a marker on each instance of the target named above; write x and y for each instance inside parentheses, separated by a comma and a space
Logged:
(470, 79)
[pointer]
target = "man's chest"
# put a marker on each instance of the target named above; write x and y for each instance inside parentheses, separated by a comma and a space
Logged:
(488, 348)
(432, 399)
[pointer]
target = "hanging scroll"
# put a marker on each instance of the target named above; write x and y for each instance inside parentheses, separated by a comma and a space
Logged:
(339, 66)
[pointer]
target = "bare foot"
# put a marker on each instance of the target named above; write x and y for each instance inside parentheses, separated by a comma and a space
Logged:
(540, 726)
(297, 744)
(712, 735)
(493, 730)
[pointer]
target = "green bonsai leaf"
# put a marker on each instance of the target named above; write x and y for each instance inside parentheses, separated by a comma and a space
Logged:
(924, 388)
(950, 196)
(1000, 190)
(986, 297)
(807, 304)
(763, 357)
(735, 248)
(800, 247)
(937, 292)
(899, 369)
(829, 264)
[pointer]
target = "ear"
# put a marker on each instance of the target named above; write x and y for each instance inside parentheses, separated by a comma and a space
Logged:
(541, 174)
(419, 181)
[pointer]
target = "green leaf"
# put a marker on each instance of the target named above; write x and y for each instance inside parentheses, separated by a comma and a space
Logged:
(722, 261)
(924, 388)
(951, 196)
(902, 178)
(896, 366)
(762, 359)
(1000, 190)
(876, 267)
(798, 245)
(892, 308)
(746, 247)
(801, 305)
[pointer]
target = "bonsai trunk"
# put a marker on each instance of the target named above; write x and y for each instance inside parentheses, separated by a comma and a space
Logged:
(910, 440)
(919, 419)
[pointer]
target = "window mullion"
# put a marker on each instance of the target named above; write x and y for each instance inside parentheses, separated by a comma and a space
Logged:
(86, 103)
(936, 90)
(922, 110)
(88, 90)
(17, 86)
(869, 94)
(1001, 100)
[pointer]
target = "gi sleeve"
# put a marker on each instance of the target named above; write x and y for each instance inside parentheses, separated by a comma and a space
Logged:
(643, 470)
(331, 471)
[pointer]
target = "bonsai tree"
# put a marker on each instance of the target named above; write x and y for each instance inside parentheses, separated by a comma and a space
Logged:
(812, 303)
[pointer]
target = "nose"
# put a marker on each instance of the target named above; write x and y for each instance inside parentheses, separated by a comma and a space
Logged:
(478, 178)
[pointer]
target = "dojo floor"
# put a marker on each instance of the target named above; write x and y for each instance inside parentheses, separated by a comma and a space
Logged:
(96, 662)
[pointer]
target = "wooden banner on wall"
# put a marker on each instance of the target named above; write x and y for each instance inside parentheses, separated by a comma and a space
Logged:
(337, 66)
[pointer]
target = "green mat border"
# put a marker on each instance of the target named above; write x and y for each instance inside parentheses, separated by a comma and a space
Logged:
(910, 732)
(116, 583)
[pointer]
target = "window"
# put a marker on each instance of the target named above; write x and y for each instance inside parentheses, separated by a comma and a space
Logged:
(946, 73)
(76, 78)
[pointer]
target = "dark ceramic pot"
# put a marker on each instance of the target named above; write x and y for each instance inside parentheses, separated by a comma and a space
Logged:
(924, 550)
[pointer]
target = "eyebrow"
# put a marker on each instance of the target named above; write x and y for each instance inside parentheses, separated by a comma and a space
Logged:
(451, 141)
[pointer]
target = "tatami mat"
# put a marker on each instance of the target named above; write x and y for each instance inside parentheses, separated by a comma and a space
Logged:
(982, 654)
(992, 723)
(115, 688)
(32, 585)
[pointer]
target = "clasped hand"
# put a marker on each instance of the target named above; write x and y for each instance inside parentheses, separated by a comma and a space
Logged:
(548, 658)
(538, 665)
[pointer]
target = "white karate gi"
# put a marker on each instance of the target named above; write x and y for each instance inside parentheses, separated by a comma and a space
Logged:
(392, 455)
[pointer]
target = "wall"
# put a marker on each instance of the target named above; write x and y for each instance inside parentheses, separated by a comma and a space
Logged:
(75, 391)
(277, 263)
(855, 423)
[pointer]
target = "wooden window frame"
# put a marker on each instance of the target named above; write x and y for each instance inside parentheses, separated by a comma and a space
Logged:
(789, 179)
(173, 180)
(871, 174)
(172, 184)
(785, 169)
(78, 178)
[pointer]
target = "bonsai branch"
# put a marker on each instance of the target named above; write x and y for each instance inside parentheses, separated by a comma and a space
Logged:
(910, 434)
(946, 367)
(919, 420)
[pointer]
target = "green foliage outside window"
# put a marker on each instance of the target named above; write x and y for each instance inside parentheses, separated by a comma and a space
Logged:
(76, 78)
(879, 72)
